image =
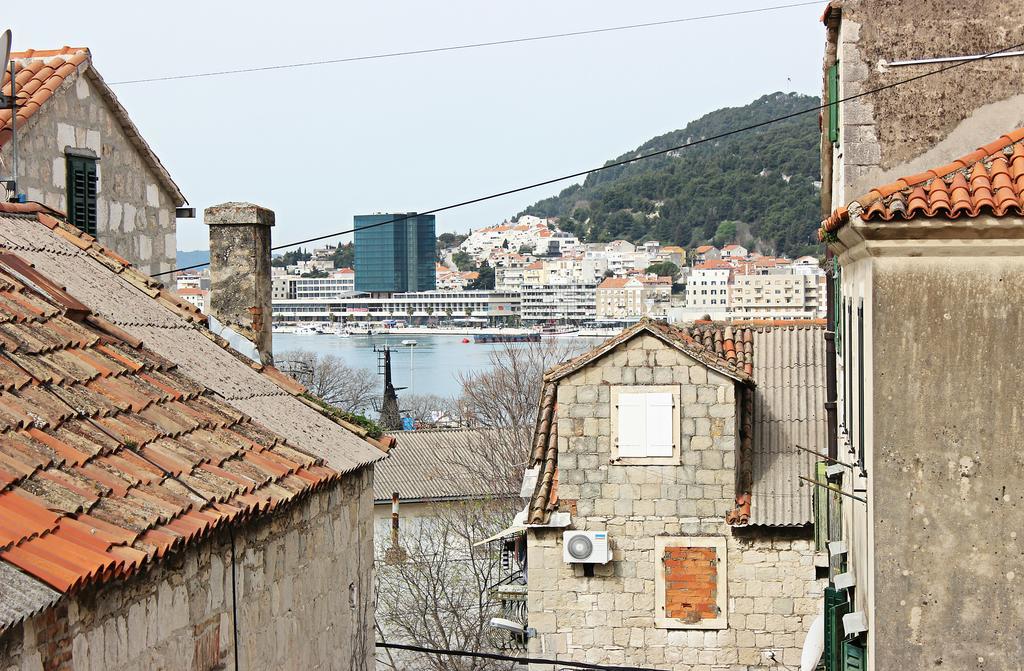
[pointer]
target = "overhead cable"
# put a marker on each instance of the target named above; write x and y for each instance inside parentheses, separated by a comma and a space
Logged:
(628, 161)
(459, 47)
(509, 658)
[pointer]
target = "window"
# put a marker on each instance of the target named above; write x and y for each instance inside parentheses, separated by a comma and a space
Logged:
(81, 190)
(690, 582)
(645, 424)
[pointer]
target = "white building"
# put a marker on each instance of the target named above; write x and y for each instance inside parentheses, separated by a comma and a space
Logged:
(708, 286)
(197, 297)
(559, 301)
(734, 252)
(337, 283)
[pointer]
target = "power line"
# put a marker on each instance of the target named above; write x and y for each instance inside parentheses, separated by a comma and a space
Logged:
(459, 47)
(628, 161)
(510, 658)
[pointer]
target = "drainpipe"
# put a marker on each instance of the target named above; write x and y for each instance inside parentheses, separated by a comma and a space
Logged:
(831, 393)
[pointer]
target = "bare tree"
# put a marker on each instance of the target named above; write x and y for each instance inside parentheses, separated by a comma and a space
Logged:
(430, 410)
(505, 398)
(333, 380)
(437, 595)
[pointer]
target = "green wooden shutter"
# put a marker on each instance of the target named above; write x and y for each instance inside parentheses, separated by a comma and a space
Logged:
(81, 192)
(835, 607)
(854, 657)
(833, 103)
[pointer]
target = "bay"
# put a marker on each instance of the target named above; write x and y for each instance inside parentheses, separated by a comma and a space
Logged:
(431, 367)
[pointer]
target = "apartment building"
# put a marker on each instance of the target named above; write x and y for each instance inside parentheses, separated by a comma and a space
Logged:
(777, 293)
(630, 298)
(708, 286)
(559, 301)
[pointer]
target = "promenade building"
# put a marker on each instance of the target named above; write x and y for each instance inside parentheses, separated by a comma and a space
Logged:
(397, 256)
(483, 307)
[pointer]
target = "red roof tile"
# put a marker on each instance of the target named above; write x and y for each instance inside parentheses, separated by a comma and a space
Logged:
(38, 74)
(110, 457)
(988, 181)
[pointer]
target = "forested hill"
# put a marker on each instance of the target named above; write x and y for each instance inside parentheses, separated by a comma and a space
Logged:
(759, 186)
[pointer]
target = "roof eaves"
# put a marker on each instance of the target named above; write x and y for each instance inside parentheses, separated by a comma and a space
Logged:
(132, 132)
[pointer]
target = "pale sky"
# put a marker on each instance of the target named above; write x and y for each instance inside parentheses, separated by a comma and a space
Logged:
(321, 144)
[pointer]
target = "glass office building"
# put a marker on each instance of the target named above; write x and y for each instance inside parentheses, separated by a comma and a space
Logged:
(394, 257)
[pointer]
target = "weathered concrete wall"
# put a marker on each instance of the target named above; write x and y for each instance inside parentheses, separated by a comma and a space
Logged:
(610, 618)
(304, 597)
(135, 211)
(926, 123)
(948, 467)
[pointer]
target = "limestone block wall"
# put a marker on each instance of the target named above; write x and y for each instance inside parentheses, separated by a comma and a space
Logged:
(135, 214)
(304, 596)
(609, 618)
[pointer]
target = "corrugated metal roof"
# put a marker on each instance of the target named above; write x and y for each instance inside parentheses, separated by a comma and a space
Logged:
(109, 455)
(173, 328)
(789, 410)
(438, 464)
(22, 596)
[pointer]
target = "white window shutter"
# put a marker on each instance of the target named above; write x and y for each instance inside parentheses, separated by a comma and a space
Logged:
(659, 425)
(632, 425)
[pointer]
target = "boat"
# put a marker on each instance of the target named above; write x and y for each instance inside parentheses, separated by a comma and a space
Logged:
(465, 340)
(559, 331)
(307, 330)
(409, 343)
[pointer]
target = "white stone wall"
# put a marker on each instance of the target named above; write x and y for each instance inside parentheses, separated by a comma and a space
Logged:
(305, 598)
(772, 592)
(135, 214)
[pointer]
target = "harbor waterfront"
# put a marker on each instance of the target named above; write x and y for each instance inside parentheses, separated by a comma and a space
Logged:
(432, 366)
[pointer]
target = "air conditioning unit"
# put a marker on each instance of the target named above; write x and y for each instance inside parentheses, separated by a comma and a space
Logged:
(586, 547)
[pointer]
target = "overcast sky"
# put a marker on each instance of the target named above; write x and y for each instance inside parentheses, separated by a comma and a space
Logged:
(320, 144)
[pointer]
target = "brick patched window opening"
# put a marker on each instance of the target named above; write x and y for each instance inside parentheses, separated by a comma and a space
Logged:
(691, 583)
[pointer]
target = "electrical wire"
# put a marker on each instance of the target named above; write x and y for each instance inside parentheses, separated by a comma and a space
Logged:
(510, 658)
(628, 161)
(459, 47)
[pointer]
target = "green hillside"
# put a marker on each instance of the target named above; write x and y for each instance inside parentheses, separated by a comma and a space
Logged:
(761, 184)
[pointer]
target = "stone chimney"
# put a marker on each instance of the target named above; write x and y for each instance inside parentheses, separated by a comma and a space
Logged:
(240, 288)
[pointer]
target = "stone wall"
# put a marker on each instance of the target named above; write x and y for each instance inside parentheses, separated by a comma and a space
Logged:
(305, 598)
(135, 214)
(609, 618)
(926, 123)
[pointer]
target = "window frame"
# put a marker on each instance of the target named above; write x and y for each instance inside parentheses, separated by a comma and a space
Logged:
(613, 414)
(719, 543)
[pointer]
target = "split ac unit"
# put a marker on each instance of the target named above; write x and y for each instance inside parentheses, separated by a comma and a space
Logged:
(586, 547)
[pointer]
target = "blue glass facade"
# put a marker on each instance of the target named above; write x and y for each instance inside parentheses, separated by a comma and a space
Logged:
(395, 257)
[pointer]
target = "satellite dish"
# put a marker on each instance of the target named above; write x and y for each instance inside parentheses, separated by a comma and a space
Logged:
(5, 47)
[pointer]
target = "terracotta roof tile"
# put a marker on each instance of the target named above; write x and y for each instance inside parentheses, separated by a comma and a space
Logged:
(988, 181)
(98, 440)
